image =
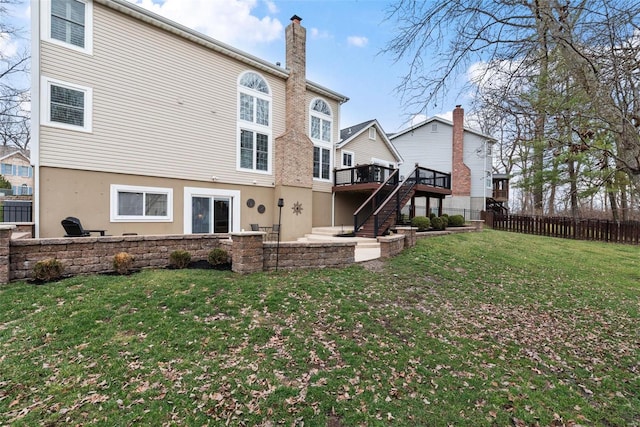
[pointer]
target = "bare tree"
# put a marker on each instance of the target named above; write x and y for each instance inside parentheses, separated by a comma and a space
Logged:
(14, 90)
(561, 71)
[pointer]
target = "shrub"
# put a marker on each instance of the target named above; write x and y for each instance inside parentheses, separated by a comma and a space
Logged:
(4, 183)
(438, 223)
(432, 215)
(456, 221)
(445, 219)
(218, 256)
(122, 262)
(48, 269)
(179, 258)
(422, 222)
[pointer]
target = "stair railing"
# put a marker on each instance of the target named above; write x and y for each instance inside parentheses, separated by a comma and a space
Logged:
(393, 204)
(366, 209)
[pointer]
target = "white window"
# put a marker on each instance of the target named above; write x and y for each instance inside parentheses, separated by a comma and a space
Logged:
(141, 204)
(211, 210)
(372, 133)
(321, 162)
(347, 159)
(254, 123)
(66, 105)
(69, 23)
(22, 190)
(321, 134)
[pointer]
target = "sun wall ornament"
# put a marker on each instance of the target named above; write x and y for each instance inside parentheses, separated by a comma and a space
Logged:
(297, 208)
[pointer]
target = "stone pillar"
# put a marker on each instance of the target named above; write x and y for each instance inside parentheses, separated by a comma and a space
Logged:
(5, 250)
(247, 253)
(409, 235)
(478, 224)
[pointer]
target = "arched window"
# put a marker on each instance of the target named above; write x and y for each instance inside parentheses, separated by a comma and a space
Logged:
(254, 122)
(320, 124)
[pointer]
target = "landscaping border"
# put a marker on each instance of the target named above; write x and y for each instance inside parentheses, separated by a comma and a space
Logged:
(248, 250)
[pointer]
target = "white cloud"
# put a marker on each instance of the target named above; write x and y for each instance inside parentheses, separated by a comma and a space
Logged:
(230, 21)
(447, 115)
(357, 41)
(417, 119)
(8, 46)
(316, 34)
(271, 6)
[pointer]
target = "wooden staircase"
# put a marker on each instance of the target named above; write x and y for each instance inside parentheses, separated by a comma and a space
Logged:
(386, 213)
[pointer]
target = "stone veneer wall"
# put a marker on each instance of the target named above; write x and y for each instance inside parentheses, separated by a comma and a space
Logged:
(298, 255)
(249, 252)
(88, 255)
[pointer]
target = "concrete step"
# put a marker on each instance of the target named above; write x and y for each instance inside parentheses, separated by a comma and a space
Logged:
(331, 231)
(361, 242)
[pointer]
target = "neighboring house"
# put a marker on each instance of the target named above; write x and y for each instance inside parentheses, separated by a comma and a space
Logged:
(15, 167)
(142, 125)
(450, 147)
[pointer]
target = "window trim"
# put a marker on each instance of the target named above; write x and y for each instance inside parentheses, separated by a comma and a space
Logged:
(45, 106)
(234, 195)
(372, 133)
(254, 126)
(115, 217)
(321, 148)
(321, 143)
(353, 158)
(45, 20)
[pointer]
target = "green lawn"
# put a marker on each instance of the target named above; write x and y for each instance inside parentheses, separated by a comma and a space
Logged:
(489, 328)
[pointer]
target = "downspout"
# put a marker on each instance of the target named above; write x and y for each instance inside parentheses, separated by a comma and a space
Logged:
(333, 208)
(35, 111)
(484, 180)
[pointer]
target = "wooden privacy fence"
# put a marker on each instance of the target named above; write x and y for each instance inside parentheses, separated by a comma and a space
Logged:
(569, 228)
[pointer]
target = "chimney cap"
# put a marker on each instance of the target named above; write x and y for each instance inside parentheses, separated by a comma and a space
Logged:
(296, 18)
(459, 105)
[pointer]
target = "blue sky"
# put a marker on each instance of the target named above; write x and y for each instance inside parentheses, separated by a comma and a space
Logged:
(344, 41)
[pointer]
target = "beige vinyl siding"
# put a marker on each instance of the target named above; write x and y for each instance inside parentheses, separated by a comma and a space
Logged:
(142, 123)
(364, 149)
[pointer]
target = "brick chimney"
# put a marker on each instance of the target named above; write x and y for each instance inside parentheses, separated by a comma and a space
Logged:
(461, 174)
(296, 39)
(293, 150)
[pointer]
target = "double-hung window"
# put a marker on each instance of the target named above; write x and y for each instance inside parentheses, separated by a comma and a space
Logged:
(320, 123)
(141, 204)
(254, 123)
(66, 105)
(69, 23)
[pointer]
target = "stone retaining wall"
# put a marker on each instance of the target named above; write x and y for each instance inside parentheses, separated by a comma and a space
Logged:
(249, 252)
(296, 255)
(87, 255)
